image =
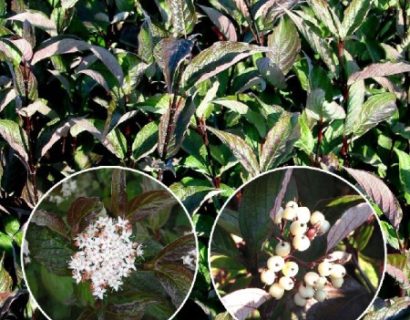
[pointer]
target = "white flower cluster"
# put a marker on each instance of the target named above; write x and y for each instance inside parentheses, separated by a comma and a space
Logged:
(303, 228)
(106, 255)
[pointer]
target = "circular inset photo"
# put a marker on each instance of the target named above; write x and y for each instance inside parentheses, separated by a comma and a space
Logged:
(297, 243)
(109, 243)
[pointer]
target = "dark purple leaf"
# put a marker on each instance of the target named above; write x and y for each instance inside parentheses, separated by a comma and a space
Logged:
(80, 209)
(50, 220)
(348, 222)
(119, 199)
(281, 194)
(225, 26)
(242, 302)
(380, 70)
(37, 19)
(379, 193)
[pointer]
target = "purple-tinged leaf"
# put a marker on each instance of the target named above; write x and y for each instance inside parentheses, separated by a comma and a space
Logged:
(145, 141)
(380, 193)
(183, 16)
(119, 198)
(281, 194)
(279, 141)
(240, 149)
(50, 220)
(217, 58)
(325, 14)
(24, 47)
(354, 16)
(80, 210)
(176, 250)
(8, 97)
(348, 222)
(224, 25)
(271, 72)
(284, 45)
(15, 136)
(64, 46)
(242, 302)
(37, 19)
(243, 8)
(147, 203)
(399, 275)
(169, 54)
(97, 77)
(380, 70)
(273, 7)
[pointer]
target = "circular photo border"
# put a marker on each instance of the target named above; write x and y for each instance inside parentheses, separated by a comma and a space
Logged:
(49, 191)
(285, 168)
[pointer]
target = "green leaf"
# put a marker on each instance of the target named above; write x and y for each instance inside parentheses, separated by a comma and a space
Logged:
(254, 221)
(6, 281)
(284, 45)
(319, 109)
(6, 242)
(315, 40)
(145, 141)
(379, 70)
(404, 173)
(240, 149)
(147, 203)
(116, 142)
(37, 19)
(169, 54)
(183, 16)
(64, 46)
(306, 141)
(11, 225)
(15, 136)
(354, 16)
(271, 72)
(215, 59)
(325, 14)
(81, 211)
(60, 288)
(173, 125)
(49, 248)
(119, 198)
(376, 109)
(279, 141)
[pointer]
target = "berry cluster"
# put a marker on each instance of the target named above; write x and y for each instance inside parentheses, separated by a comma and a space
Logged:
(106, 255)
(283, 273)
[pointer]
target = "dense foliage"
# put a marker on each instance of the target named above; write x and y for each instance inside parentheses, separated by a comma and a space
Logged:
(205, 95)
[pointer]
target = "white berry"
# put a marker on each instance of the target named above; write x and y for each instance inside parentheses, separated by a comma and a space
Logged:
(324, 226)
(337, 282)
(268, 277)
(290, 269)
(283, 249)
(301, 242)
(317, 218)
(286, 283)
(298, 228)
(278, 216)
(324, 268)
(275, 263)
(338, 271)
(291, 204)
(276, 291)
(321, 283)
(311, 278)
(303, 214)
(306, 292)
(299, 301)
(289, 213)
(320, 295)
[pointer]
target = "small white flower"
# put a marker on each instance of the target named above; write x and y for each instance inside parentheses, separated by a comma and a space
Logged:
(106, 255)
(190, 259)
